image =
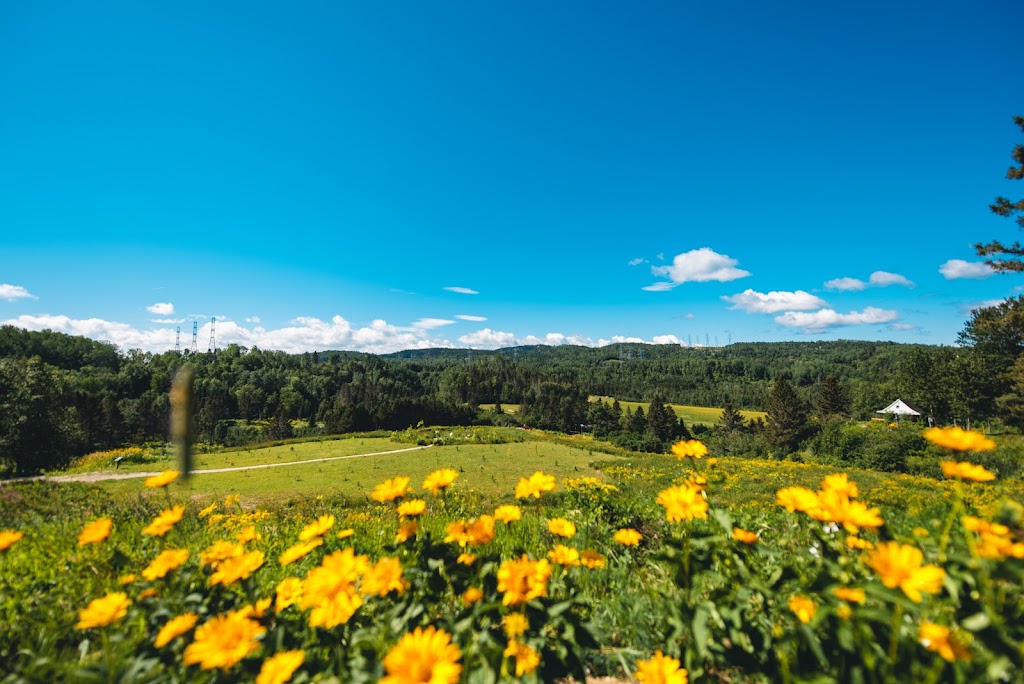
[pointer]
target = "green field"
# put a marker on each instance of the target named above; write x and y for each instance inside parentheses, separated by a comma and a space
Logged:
(488, 469)
(690, 414)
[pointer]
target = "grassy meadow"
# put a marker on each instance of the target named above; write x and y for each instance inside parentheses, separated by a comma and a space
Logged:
(691, 415)
(514, 566)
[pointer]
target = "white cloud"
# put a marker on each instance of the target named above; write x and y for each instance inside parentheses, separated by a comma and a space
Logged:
(167, 320)
(820, 321)
(12, 292)
(460, 290)
(488, 339)
(667, 339)
(700, 266)
(958, 268)
(619, 339)
(252, 319)
(474, 319)
(846, 285)
(966, 309)
(663, 286)
(885, 279)
(902, 326)
(637, 261)
(774, 302)
(431, 323)
(161, 309)
(690, 316)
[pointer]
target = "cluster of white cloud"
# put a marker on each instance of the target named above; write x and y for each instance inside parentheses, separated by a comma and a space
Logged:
(696, 266)
(876, 279)
(461, 290)
(808, 312)
(13, 292)
(161, 309)
(308, 334)
(955, 269)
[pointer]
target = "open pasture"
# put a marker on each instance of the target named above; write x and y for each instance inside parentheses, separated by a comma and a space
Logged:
(690, 414)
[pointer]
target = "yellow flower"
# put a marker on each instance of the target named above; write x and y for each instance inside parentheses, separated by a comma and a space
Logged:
(406, 531)
(628, 537)
(958, 439)
(745, 536)
(95, 532)
(538, 484)
(385, 576)
(561, 527)
(849, 595)
(127, 579)
(165, 562)
(425, 655)
(256, 610)
(412, 508)
(841, 484)
(938, 639)
(921, 532)
(439, 480)
(466, 559)
(899, 565)
(208, 510)
(660, 669)
(346, 533)
(843, 611)
(289, 591)
(223, 640)
(317, 528)
(219, 552)
(527, 659)
(966, 471)
(803, 608)
(8, 538)
(102, 611)
(148, 593)
(858, 543)
(692, 448)
(472, 595)
(280, 668)
(592, 559)
(391, 489)
(230, 500)
(683, 503)
(330, 588)
(508, 514)
(797, 499)
(175, 628)
(515, 625)
(523, 580)
(237, 568)
(299, 550)
(563, 555)
(163, 479)
(475, 532)
(165, 522)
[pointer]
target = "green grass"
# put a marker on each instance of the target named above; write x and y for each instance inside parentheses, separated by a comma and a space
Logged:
(690, 414)
(489, 469)
(507, 408)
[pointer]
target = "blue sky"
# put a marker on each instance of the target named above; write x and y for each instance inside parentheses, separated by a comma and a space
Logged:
(379, 176)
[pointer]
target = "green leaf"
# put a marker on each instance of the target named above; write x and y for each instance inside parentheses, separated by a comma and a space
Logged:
(976, 622)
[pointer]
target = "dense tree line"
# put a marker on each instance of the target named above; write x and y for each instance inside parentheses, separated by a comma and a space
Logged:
(61, 396)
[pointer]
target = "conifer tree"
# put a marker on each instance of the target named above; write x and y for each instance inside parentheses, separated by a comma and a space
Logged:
(787, 415)
(730, 420)
(1010, 257)
(660, 420)
(833, 400)
(637, 422)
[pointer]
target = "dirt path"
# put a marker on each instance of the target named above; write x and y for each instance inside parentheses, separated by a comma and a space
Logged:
(98, 477)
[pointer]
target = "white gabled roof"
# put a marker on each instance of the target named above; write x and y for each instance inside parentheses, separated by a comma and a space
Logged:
(900, 407)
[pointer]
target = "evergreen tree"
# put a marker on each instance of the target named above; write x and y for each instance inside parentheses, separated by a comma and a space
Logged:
(833, 400)
(730, 420)
(660, 420)
(787, 415)
(637, 421)
(1011, 257)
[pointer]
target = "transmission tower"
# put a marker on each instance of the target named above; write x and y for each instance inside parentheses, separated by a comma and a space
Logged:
(729, 336)
(707, 340)
(213, 335)
(177, 339)
(195, 335)
(689, 340)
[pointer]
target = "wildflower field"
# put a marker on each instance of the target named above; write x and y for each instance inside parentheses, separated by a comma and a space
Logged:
(651, 568)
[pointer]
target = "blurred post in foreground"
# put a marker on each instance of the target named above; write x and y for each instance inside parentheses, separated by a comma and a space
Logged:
(181, 418)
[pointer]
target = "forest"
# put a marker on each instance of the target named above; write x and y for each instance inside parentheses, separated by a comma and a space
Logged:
(63, 396)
